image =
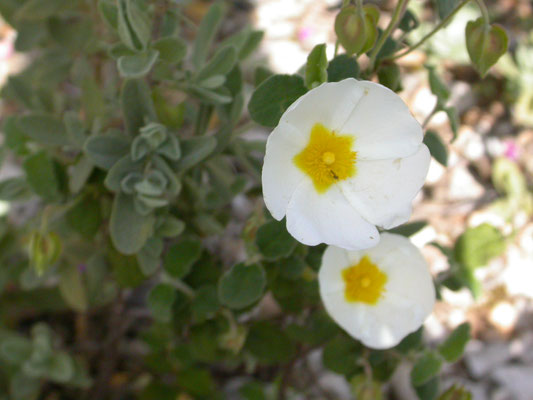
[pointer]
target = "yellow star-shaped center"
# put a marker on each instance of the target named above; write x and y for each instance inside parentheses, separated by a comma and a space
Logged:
(364, 282)
(327, 158)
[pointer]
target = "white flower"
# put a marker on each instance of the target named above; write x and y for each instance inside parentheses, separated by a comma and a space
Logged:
(345, 157)
(379, 295)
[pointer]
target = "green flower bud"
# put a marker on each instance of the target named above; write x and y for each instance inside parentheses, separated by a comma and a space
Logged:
(44, 250)
(365, 389)
(389, 75)
(456, 393)
(485, 44)
(356, 28)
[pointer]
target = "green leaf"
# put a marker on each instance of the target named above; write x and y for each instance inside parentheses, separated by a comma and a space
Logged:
(121, 171)
(160, 301)
(251, 44)
(171, 49)
(342, 67)
(445, 7)
(242, 285)
(42, 176)
(75, 129)
(72, 288)
(129, 230)
(126, 271)
(14, 189)
(409, 21)
(411, 342)
(438, 88)
(15, 349)
(272, 97)
(109, 12)
(436, 147)
(34, 10)
(181, 257)
(44, 129)
(389, 75)
(206, 33)
(133, 25)
(451, 112)
(340, 355)
(205, 303)
(316, 67)
(220, 64)
(269, 344)
(291, 267)
(477, 246)
(169, 227)
(85, 216)
(452, 349)
(24, 387)
(220, 96)
(197, 382)
(409, 229)
(149, 256)
(71, 33)
(137, 105)
(106, 150)
(252, 391)
(137, 65)
(485, 44)
(274, 241)
(79, 173)
(425, 368)
(195, 150)
(429, 390)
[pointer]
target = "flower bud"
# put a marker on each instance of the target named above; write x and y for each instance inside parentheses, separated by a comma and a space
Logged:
(456, 393)
(356, 28)
(485, 44)
(45, 250)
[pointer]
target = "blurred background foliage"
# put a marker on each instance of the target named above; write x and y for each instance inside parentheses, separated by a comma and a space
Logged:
(137, 260)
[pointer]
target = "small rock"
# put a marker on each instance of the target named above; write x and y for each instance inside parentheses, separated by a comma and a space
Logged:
(504, 317)
(463, 186)
(517, 379)
(481, 358)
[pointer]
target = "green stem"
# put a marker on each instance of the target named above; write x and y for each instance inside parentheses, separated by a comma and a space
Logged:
(430, 34)
(398, 11)
(484, 11)
(430, 115)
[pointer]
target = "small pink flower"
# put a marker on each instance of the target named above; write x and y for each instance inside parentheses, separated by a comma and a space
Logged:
(305, 33)
(511, 150)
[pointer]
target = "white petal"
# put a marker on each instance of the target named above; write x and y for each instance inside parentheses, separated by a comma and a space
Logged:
(382, 190)
(408, 298)
(314, 218)
(280, 175)
(334, 261)
(382, 124)
(329, 104)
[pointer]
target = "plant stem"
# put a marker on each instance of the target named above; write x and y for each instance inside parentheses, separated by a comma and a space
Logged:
(430, 115)
(430, 34)
(398, 11)
(484, 11)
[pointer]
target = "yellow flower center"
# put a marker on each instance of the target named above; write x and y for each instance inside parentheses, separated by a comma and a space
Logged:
(365, 282)
(327, 158)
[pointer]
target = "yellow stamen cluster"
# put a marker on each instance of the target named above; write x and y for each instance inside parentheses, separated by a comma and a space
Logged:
(327, 158)
(365, 282)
